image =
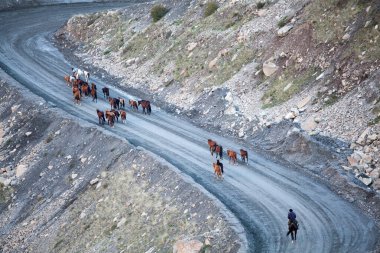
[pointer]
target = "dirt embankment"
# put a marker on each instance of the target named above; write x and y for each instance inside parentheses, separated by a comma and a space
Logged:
(67, 186)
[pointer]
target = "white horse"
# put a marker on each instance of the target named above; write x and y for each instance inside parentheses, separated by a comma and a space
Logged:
(85, 73)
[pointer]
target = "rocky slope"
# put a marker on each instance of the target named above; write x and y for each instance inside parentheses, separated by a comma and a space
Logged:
(66, 186)
(250, 65)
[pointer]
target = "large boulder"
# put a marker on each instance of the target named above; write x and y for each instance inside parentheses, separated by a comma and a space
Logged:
(269, 68)
(309, 124)
(284, 30)
(184, 246)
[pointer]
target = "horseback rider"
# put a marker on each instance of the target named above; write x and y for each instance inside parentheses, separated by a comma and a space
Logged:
(292, 218)
(220, 165)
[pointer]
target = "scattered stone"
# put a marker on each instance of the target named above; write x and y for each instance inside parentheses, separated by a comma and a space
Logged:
(183, 246)
(50, 167)
(73, 176)
(362, 137)
(94, 181)
(121, 222)
(212, 63)
(20, 170)
(68, 157)
(365, 179)
(191, 46)
(83, 159)
(284, 30)
(346, 36)
(28, 133)
(287, 87)
(303, 102)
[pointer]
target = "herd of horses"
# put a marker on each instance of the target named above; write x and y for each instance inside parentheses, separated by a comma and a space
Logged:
(232, 156)
(82, 89)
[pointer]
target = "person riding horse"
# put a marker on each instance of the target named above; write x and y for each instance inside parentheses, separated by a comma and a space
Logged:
(292, 225)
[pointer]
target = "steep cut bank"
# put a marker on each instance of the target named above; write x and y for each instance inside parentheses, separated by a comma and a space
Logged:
(67, 186)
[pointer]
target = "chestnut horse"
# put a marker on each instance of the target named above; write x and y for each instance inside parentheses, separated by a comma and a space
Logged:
(101, 117)
(85, 89)
(123, 115)
(244, 155)
(145, 104)
(232, 155)
(211, 145)
(114, 102)
(217, 171)
(133, 104)
(77, 96)
(110, 118)
(106, 92)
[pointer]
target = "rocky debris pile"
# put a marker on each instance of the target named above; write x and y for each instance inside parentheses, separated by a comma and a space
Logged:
(364, 161)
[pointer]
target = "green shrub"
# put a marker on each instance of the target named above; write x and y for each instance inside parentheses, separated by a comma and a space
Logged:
(260, 5)
(158, 12)
(283, 21)
(210, 8)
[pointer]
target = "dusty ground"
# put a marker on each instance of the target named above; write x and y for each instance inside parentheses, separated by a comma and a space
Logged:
(69, 186)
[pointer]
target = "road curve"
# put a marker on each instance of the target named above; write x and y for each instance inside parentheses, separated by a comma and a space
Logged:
(258, 194)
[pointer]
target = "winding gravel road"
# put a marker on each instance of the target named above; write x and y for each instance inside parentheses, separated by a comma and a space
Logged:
(258, 194)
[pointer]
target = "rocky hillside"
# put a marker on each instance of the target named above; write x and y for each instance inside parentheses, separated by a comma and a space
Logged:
(241, 66)
(66, 186)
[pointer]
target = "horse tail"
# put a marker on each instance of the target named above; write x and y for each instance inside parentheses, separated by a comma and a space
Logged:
(149, 109)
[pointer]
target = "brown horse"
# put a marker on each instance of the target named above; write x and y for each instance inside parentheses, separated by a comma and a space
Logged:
(117, 114)
(101, 117)
(77, 96)
(133, 104)
(110, 118)
(94, 95)
(85, 89)
(244, 155)
(232, 156)
(217, 171)
(93, 86)
(106, 92)
(211, 145)
(123, 115)
(292, 230)
(145, 104)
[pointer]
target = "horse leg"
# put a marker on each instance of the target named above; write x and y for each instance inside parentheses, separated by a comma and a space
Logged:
(295, 235)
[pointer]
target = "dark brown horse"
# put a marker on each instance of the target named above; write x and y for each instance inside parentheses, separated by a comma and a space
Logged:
(101, 117)
(244, 155)
(123, 115)
(292, 229)
(133, 104)
(122, 102)
(232, 156)
(211, 145)
(217, 171)
(114, 102)
(219, 151)
(94, 95)
(106, 92)
(145, 104)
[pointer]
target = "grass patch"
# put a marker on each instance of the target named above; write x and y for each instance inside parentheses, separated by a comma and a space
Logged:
(283, 21)
(107, 51)
(260, 5)
(280, 90)
(158, 11)
(4, 193)
(332, 100)
(210, 8)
